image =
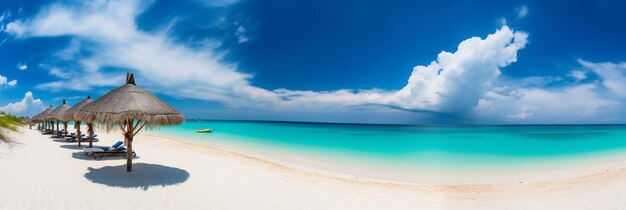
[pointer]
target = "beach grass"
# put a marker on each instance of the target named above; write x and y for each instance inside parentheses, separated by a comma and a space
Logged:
(9, 123)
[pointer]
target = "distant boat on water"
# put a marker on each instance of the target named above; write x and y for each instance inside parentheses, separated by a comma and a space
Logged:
(206, 130)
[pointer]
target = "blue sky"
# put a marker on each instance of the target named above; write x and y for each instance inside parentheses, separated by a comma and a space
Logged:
(328, 61)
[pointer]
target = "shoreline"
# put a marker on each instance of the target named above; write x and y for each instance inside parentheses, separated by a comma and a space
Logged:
(583, 166)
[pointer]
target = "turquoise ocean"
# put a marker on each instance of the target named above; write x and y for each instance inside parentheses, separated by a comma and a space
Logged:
(406, 151)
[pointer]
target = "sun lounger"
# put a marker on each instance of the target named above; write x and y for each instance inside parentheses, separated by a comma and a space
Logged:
(98, 152)
(88, 151)
(59, 134)
(86, 138)
(71, 137)
(83, 138)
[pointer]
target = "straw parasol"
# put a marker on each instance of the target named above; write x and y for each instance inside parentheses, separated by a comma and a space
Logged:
(57, 115)
(131, 108)
(53, 116)
(36, 117)
(40, 117)
(70, 115)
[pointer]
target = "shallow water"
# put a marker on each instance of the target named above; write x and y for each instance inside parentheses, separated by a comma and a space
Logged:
(402, 149)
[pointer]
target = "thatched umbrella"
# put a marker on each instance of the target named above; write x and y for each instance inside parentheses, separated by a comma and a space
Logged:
(40, 117)
(57, 115)
(131, 108)
(35, 118)
(70, 115)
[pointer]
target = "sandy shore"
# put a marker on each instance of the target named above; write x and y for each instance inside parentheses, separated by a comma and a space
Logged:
(45, 173)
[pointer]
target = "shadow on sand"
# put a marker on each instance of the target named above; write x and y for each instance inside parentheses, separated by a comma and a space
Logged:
(60, 140)
(71, 146)
(82, 156)
(143, 176)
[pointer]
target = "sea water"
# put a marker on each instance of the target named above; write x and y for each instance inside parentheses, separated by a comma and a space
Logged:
(404, 152)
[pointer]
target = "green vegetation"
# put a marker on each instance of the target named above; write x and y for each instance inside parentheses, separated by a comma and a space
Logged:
(9, 123)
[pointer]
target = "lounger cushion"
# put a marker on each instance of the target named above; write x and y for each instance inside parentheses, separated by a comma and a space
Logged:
(117, 144)
(121, 148)
(93, 149)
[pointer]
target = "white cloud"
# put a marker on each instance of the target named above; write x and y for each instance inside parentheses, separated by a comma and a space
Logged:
(522, 11)
(523, 114)
(613, 75)
(581, 103)
(59, 73)
(26, 107)
(3, 18)
(502, 21)
(3, 80)
(466, 82)
(58, 98)
(5, 15)
(453, 83)
(70, 51)
(21, 66)
(578, 75)
(218, 3)
(241, 34)
(602, 100)
(456, 81)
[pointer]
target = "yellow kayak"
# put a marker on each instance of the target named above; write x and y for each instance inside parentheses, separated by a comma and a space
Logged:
(207, 130)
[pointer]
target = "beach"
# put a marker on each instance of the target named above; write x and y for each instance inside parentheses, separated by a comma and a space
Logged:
(45, 173)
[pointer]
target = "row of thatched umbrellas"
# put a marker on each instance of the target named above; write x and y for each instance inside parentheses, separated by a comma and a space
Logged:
(128, 106)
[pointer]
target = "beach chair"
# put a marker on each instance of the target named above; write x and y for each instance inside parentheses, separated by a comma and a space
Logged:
(60, 134)
(71, 137)
(98, 152)
(49, 131)
(88, 151)
(84, 137)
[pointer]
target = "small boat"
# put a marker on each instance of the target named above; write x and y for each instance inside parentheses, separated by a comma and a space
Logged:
(206, 130)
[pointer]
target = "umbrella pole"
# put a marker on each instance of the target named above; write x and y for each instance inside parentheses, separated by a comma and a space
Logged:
(77, 126)
(90, 133)
(129, 151)
(57, 128)
(64, 128)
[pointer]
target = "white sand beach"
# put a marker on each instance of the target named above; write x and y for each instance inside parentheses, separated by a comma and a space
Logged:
(45, 173)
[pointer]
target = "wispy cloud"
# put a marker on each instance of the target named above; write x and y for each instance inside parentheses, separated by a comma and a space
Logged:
(578, 75)
(58, 98)
(241, 34)
(217, 3)
(4, 17)
(465, 82)
(522, 11)
(501, 21)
